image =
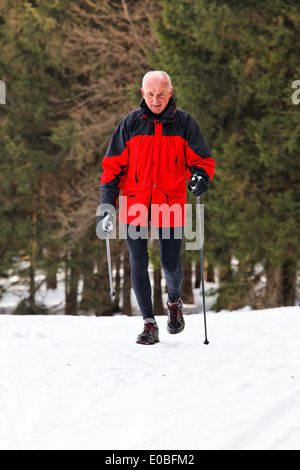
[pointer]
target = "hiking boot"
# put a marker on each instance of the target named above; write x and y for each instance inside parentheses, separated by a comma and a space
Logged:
(176, 322)
(149, 335)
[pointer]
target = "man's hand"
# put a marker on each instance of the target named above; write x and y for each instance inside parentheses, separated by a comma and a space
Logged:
(105, 224)
(198, 185)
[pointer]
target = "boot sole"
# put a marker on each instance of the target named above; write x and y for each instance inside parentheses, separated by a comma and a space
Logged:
(175, 332)
(147, 342)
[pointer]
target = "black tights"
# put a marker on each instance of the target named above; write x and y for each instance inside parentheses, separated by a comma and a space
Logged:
(170, 241)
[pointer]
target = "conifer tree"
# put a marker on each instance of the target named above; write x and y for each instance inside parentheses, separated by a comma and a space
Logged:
(233, 64)
(68, 68)
(28, 157)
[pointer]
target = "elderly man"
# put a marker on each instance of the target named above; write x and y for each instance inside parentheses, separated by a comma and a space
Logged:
(152, 153)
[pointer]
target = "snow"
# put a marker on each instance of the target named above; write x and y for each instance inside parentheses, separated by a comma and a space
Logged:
(83, 383)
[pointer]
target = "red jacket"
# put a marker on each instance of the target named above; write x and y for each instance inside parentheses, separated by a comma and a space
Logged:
(150, 157)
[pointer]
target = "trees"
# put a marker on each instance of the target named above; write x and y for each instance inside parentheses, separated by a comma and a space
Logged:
(72, 70)
(68, 67)
(104, 48)
(28, 157)
(233, 65)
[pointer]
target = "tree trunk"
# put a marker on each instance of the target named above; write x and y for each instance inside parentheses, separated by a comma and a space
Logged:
(127, 285)
(281, 285)
(32, 269)
(51, 279)
(71, 285)
(210, 273)
(53, 256)
(197, 275)
(32, 289)
(187, 294)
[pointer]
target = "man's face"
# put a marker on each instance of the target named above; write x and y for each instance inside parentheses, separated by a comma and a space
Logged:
(157, 93)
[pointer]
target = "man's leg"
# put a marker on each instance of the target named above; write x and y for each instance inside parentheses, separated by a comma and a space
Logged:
(170, 254)
(171, 240)
(139, 260)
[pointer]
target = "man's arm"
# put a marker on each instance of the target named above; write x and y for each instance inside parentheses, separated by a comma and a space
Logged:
(198, 157)
(114, 166)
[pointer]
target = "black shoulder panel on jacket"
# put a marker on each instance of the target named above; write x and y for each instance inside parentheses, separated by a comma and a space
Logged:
(123, 133)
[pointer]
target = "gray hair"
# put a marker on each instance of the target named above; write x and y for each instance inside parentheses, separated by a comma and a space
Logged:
(156, 72)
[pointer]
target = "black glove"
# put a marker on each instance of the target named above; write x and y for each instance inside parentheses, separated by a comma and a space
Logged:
(198, 185)
(105, 224)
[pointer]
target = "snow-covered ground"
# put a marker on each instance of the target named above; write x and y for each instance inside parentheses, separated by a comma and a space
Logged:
(83, 383)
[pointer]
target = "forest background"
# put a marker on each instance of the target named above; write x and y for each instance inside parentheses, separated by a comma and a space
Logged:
(73, 69)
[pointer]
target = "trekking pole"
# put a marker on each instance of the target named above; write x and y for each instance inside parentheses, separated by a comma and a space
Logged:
(202, 266)
(112, 292)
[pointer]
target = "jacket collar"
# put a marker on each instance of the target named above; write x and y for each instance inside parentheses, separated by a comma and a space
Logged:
(168, 115)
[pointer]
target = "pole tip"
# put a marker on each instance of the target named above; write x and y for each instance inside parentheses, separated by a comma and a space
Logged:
(206, 341)
(112, 294)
